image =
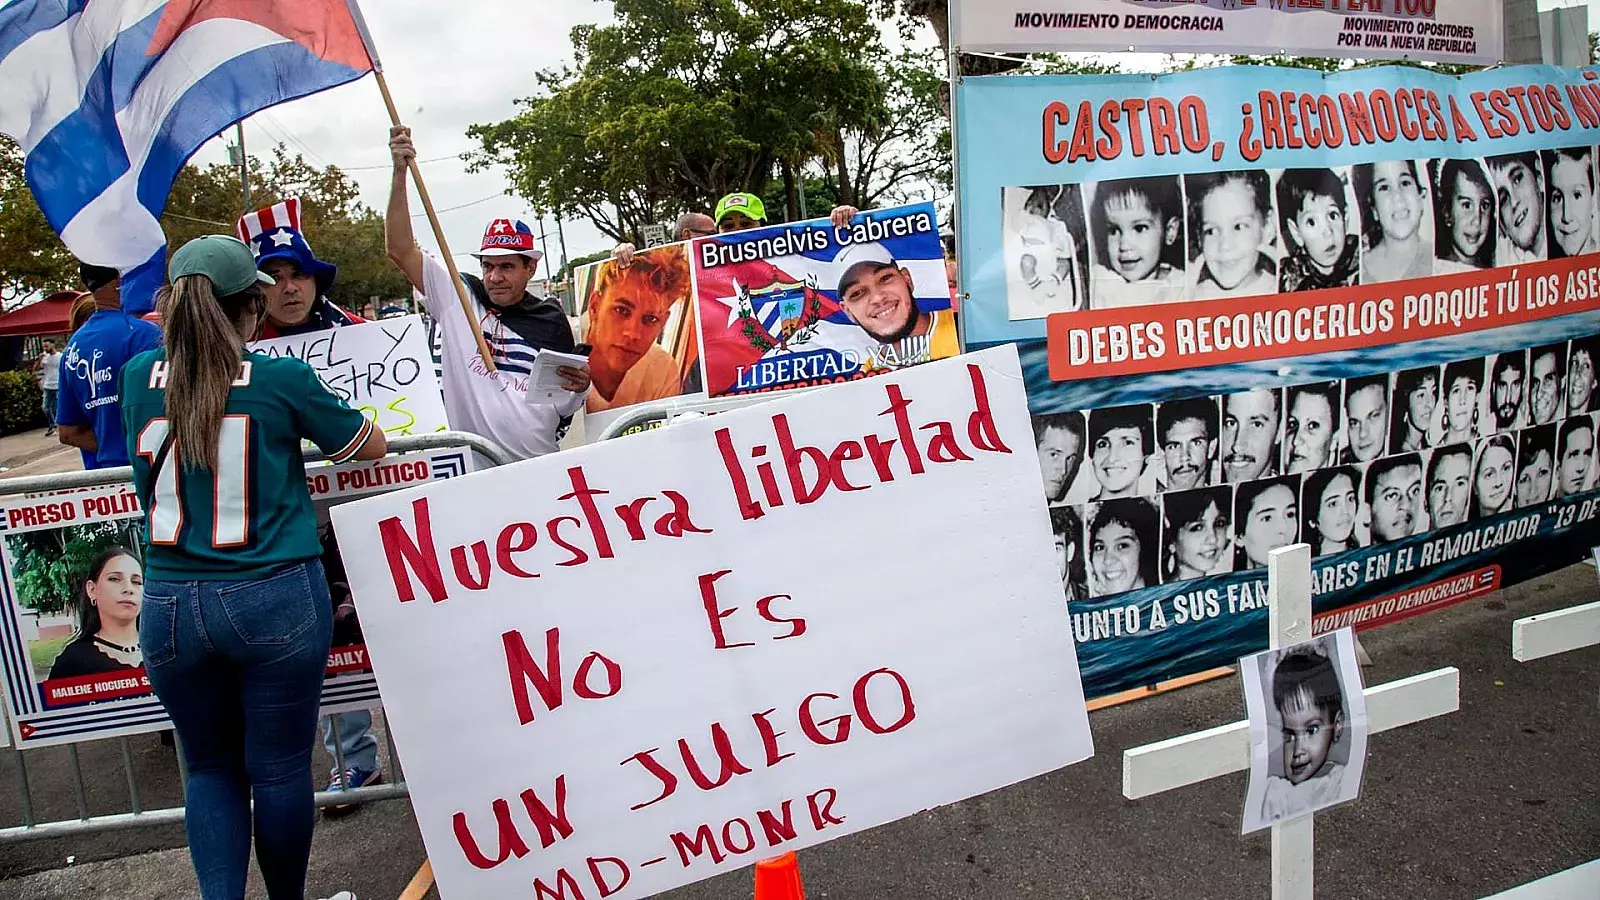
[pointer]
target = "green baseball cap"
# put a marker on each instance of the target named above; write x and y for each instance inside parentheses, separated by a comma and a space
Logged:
(227, 261)
(749, 204)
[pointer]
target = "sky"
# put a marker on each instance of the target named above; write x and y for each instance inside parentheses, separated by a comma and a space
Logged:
(449, 65)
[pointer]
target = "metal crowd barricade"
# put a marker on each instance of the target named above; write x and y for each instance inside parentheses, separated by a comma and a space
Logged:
(138, 817)
(640, 416)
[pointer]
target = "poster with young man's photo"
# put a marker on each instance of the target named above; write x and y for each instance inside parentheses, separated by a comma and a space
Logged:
(639, 321)
(1308, 728)
(807, 304)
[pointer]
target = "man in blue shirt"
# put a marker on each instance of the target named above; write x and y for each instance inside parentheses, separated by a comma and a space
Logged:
(88, 408)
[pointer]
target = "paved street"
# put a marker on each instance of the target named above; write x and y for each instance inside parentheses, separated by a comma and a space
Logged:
(1453, 809)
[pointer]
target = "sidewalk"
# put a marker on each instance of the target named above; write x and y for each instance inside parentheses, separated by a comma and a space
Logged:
(35, 453)
(1453, 808)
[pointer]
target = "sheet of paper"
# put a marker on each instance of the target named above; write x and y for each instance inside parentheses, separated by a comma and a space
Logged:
(545, 384)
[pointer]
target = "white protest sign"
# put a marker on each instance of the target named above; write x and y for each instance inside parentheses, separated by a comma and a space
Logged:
(1453, 31)
(633, 665)
(385, 369)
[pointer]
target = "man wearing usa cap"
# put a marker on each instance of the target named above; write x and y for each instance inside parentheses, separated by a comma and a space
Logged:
(878, 294)
(516, 324)
(297, 303)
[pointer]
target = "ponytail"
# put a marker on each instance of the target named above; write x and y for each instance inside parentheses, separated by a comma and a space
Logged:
(204, 351)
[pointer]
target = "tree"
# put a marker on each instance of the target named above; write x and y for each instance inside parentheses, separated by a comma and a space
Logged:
(32, 258)
(682, 101)
(208, 201)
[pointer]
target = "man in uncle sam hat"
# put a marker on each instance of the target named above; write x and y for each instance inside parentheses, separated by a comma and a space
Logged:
(297, 301)
(878, 294)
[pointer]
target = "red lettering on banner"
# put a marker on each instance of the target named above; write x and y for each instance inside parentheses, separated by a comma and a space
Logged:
(1096, 343)
(738, 837)
(522, 669)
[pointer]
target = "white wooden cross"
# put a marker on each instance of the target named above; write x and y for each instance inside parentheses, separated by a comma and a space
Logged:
(1219, 751)
(1535, 637)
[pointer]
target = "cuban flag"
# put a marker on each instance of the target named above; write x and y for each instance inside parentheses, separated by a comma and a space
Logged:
(109, 98)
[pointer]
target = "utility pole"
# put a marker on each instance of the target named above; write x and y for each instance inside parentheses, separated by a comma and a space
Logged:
(562, 234)
(244, 168)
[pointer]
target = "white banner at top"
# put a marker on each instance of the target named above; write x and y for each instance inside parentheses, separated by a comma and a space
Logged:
(1452, 31)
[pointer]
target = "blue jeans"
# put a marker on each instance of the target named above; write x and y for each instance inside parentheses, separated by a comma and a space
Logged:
(239, 667)
(49, 405)
(353, 737)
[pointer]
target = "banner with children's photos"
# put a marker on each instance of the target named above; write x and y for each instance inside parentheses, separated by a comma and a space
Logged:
(1360, 310)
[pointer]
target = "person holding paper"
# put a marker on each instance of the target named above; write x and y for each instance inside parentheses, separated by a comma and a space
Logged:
(516, 324)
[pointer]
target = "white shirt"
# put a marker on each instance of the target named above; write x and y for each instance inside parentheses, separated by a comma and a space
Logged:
(1287, 801)
(50, 371)
(491, 404)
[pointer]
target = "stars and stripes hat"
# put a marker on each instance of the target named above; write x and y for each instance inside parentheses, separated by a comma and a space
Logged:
(508, 237)
(273, 232)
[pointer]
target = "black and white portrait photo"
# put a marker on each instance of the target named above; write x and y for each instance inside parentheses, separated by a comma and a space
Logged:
(1569, 181)
(1519, 193)
(1308, 728)
(1252, 434)
(1059, 439)
(1187, 434)
(1536, 465)
(1393, 496)
(1415, 416)
(1196, 533)
(1505, 397)
(1266, 516)
(1463, 396)
(1122, 545)
(1232, 234)
(1464, 216)
(1366, 418)
(1396, 221)
(1330, 503)
(1313, 434)
(1136, 226)
(1046, 250)
(1121, 444)
(1320, 231)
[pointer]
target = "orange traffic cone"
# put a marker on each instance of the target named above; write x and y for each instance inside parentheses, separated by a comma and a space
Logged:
(779, 879)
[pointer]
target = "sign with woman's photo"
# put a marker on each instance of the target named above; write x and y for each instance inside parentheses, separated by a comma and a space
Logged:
(1308, 728)
(1359, 310)
(640, 322)
(808, 304)
(73, 569)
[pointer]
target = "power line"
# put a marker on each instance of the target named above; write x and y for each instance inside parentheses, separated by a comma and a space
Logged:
(494, 196)
(389, 165)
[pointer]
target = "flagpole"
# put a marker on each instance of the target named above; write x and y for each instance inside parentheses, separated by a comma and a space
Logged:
(467, 305)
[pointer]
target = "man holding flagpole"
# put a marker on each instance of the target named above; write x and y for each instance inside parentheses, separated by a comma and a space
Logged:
(516, 324)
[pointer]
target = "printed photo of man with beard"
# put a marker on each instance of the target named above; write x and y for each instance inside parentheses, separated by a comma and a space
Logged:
(1506, 400)
(1187, 433)
(1311, 439)
(1449, 485)
(1394, 495)
(1575, 456)
(1266, 517)
(1366, 415)
(1059, 439)
(1536, 465)
(1547, 383)
(1252, 434)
